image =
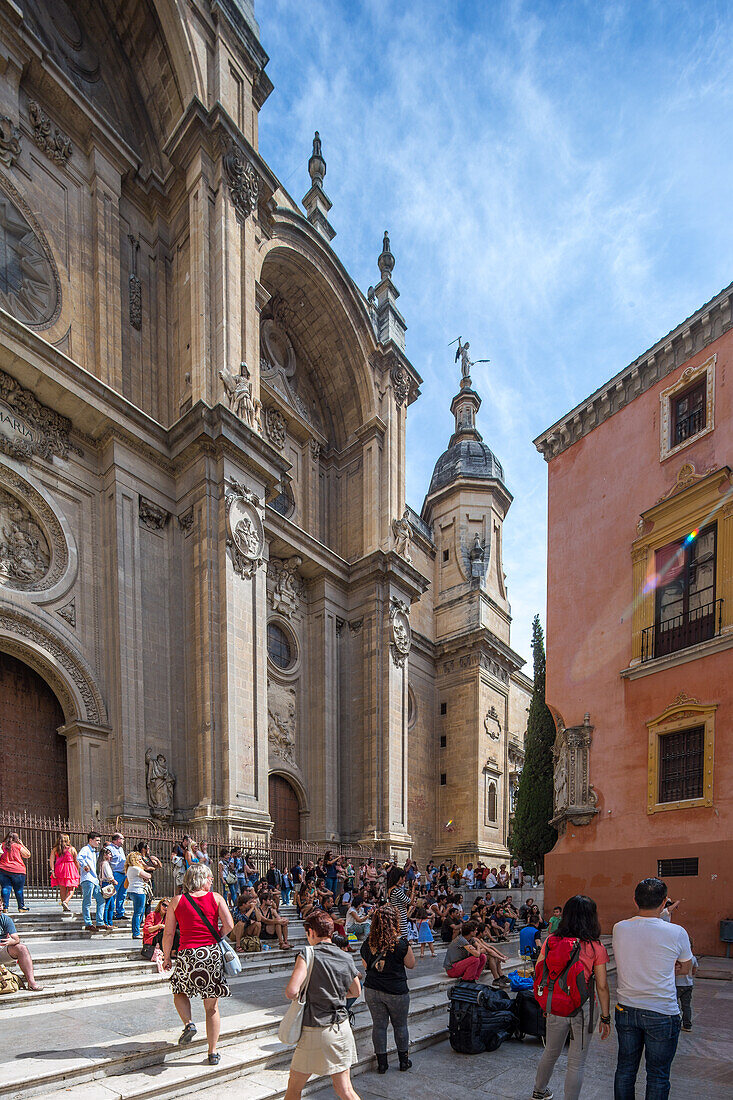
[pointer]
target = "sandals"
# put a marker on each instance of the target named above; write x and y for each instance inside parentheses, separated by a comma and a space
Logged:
(214, 1059)
(187, 1034)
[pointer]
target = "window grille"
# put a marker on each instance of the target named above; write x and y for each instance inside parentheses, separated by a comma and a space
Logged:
(681, 759)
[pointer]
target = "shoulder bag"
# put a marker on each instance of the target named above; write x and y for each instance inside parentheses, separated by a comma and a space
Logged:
(291, 1024)
(232, 965)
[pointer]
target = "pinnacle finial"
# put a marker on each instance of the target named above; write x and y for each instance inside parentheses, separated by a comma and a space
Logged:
(386, 260)
(316, 164)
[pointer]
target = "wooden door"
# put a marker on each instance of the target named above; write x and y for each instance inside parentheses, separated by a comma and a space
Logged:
(32, 754)
(284, 809)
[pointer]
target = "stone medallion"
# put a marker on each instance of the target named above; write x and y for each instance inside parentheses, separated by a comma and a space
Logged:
(30, 288)
(277, 348)
(400, 632)
(245, 533)
(34, 554)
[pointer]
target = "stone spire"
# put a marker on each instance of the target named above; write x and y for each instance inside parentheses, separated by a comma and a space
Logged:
(390, 322)
(317, 203)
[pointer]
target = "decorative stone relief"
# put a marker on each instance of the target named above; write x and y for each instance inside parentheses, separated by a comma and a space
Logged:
(185, 522)
(275, 427)
(400, 631)
(278, 364)
(289, 587)
(24, 551)
(160, 782)
(28, 428)
(402, 531)
(33, 550)
(355, 625)
(47, 137)
(492, 724)
(9, 141)
(400, 385)
(152, 515)
(68, 612)
(281, 720)
(30, 288)
(315, 447)
(242, 402)
(135, 286)
(244, 183)
(574, 799)
(245, 533)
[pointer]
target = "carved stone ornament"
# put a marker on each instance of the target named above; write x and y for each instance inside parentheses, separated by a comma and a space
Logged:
(315, 447)
(245, 533)
(402, 531)
(28, 428)
(400, 631)
(275, 427)
(30, 287)
(47, 137)
(68, 612)
(9, 141)
(492, 724)
(281, 721)
(244, 183)
(574, 800)
(152, 515)
(400, 385)
(241, 400)
(160, 783)
(135, 286)
(185, 522)
(34, 554)
(288, 590)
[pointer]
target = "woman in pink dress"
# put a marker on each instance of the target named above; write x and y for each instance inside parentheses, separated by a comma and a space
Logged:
(64, 869)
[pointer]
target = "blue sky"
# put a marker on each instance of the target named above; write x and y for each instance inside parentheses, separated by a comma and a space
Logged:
(556, 181)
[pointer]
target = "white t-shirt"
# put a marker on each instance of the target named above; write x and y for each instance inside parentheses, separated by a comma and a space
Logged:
(517, 873)
(135, 884)
(468, 877)
(490, 881)
(646, 949)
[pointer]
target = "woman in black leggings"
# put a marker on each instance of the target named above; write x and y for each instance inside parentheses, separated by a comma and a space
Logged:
(386, 954)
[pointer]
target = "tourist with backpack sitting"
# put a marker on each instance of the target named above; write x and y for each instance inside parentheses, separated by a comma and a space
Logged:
(573, 959)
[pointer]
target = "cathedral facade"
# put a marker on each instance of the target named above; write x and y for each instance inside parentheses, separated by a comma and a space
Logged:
(216, 607)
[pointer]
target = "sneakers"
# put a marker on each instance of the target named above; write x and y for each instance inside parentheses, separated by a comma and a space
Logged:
(687, 1028)
(545, 1094)
(187, 1034)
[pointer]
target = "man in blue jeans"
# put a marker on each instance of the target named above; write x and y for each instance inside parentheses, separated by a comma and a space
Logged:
(649, 953)
(90, 889)
(118, 870)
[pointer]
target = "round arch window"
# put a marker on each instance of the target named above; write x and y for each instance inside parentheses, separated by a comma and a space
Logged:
(280, 647)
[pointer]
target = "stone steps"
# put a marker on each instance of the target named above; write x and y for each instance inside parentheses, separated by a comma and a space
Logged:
(250, 1049)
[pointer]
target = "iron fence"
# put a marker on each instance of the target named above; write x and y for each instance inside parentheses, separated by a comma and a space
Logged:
(699, 624)
(39, 834)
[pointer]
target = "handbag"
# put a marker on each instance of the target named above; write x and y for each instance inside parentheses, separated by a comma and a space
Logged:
(109, 890)
(291, 1024)
(232, 965)
(9, 982)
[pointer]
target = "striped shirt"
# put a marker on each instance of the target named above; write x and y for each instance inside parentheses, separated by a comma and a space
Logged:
(399, 898)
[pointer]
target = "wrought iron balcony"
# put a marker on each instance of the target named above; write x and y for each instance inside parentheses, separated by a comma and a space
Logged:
(689, 425)
(682, 631)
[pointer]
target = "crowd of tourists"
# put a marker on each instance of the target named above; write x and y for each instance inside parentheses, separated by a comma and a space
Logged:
(382, 911)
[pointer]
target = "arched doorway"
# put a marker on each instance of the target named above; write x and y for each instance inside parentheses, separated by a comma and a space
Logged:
(284, 808)
(33, 774)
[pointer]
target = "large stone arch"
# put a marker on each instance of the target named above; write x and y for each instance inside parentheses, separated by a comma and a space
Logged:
(327, 321)
(33, 638)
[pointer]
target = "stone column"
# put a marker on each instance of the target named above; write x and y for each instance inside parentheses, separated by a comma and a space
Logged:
(326, 621)
(106, 189)
(87, 762)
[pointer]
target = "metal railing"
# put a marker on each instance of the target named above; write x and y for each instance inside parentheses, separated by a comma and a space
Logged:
(689, 425)
(680, 632)
(39, 835)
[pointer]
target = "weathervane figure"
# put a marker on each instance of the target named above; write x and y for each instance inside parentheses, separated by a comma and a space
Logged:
(466, 361)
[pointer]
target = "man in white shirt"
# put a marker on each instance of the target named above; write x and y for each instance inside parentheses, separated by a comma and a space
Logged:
(649, 952)
(116, 847)
(90, 889)
(517, 874)
(467, 876)
(491, 880)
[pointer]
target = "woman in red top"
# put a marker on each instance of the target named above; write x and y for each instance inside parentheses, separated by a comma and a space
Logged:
(12, 871)
(199, 968)
(579, 921)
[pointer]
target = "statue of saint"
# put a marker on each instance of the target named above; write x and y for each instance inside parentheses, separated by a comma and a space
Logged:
(402, 535)
(466, 361)
(160, 781)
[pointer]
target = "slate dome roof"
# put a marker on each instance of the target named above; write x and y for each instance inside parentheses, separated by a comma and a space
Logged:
(466, 458)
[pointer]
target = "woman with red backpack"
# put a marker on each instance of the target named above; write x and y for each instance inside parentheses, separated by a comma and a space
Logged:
(570, 969)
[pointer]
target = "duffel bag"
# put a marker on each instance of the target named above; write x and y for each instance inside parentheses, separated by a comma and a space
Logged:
(530, 1017)
(473, 1029)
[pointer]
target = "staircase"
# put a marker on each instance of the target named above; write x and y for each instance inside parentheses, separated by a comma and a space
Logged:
(104, 1026)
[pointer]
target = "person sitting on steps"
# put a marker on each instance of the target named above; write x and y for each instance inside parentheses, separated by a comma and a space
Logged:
(246, 922)
(464, 958)
(13, 951)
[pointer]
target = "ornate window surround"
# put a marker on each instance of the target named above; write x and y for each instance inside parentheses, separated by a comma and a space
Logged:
(687, 379)
(284, 675)
(696, 501)
(684, 713)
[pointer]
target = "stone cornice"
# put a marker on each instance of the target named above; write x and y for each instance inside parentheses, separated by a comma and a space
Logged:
(695, 334)
(476, 641)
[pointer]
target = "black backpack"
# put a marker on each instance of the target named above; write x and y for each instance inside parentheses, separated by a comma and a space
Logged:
(481, 1018)
(530, 1017)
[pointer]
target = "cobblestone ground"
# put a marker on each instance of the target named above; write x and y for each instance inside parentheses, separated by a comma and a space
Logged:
(702, 1069)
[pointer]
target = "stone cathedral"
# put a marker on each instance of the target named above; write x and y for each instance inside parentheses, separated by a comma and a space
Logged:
(216, 607)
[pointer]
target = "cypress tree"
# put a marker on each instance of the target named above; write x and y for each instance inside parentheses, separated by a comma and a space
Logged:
(532, 835)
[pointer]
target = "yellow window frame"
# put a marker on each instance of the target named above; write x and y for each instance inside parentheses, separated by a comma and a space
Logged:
(684, 713)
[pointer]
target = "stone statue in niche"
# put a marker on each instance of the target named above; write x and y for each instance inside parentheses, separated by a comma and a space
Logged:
(160, 782)
(25, 555)
(242, 401)
(402, 535)
(281, 720)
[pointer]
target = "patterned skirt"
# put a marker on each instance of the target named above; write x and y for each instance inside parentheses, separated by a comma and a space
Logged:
(199, 972)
